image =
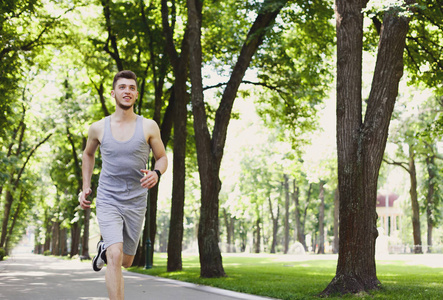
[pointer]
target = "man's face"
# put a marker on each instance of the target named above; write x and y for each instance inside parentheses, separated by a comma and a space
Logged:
(125, 93)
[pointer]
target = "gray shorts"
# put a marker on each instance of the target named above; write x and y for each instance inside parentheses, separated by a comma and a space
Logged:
(120, 224)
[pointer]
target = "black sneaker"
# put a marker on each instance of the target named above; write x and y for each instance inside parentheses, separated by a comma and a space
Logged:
(100, 259)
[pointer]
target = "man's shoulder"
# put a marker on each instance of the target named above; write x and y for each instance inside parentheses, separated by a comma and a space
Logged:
(150, 128)
(149, 122)
(99, 123)
(97, 128)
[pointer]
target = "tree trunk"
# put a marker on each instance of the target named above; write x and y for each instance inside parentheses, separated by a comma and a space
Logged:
(314, 241)
(75, 238)
(274, 224)
(430, 165)
(321, 219)
(55, 246)
(14, 220)
(336, 221)
(6, 212)
(229, 223)
(299, 223)
(414, 201)
(153, 197)
(85, 238)
(286, 229)
(208, 233)
(257, 236)
(231, 243)
(112, 37)
(180, 67)
(63, 242)
(360, 145)
(210, 150)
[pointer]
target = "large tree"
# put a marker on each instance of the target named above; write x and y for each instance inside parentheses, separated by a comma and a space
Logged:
(361, 142)
(179, 63)
(210, 148)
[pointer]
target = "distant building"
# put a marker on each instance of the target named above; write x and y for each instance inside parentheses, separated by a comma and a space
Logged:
(389, 213)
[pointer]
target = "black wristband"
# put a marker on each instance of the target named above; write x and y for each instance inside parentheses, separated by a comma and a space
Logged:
(159, 174)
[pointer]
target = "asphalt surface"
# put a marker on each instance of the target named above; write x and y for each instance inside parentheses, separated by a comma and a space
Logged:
(29, 276)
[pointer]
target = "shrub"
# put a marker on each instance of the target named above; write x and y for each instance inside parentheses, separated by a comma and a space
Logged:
(2, 253)
(47, 253)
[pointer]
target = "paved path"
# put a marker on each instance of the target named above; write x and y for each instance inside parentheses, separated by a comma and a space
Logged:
(28, 276)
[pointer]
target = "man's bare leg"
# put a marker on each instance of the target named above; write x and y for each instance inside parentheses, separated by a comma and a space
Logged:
(114, 277)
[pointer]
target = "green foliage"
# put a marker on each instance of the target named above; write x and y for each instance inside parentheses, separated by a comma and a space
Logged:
(424, 45)
(25, 28)
(47, 253)
(423, 55)
(294, 68)
(226, 24)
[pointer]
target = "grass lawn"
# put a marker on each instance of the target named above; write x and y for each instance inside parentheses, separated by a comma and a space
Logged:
(281, 277)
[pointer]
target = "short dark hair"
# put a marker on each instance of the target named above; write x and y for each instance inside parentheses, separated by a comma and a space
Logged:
(124, 74)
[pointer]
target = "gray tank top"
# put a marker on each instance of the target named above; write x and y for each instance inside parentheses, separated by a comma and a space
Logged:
(121, 163)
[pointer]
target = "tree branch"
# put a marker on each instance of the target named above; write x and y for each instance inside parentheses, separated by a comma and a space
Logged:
(265, 18)
(29, 157)
(400, 164)
(111, 37)
(271, 87)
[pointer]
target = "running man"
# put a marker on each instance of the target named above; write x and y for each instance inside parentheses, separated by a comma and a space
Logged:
(125, 140)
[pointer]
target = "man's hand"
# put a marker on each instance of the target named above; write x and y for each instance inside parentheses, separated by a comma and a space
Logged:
(149, 180)
(82, 199)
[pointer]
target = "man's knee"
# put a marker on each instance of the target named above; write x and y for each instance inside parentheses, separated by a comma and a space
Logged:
(114, 254)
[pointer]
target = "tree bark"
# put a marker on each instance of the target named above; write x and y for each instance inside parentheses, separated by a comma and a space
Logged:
(321, 219)
(180, 68)
(301, 237)
(336, 221)
(229, 224)
(55, 242)
(208, 232)
(416, 232)
(274, 224)
(85, 237)
(75, 239)
(257, 236)
(432, 177)
(360, 145)
(286, 229)
(48, 228)
(302, 216)
(63, 242)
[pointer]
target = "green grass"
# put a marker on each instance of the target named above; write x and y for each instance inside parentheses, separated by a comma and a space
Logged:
(272, 277)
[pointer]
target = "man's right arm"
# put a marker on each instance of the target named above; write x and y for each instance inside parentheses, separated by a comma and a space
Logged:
(88, 162)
